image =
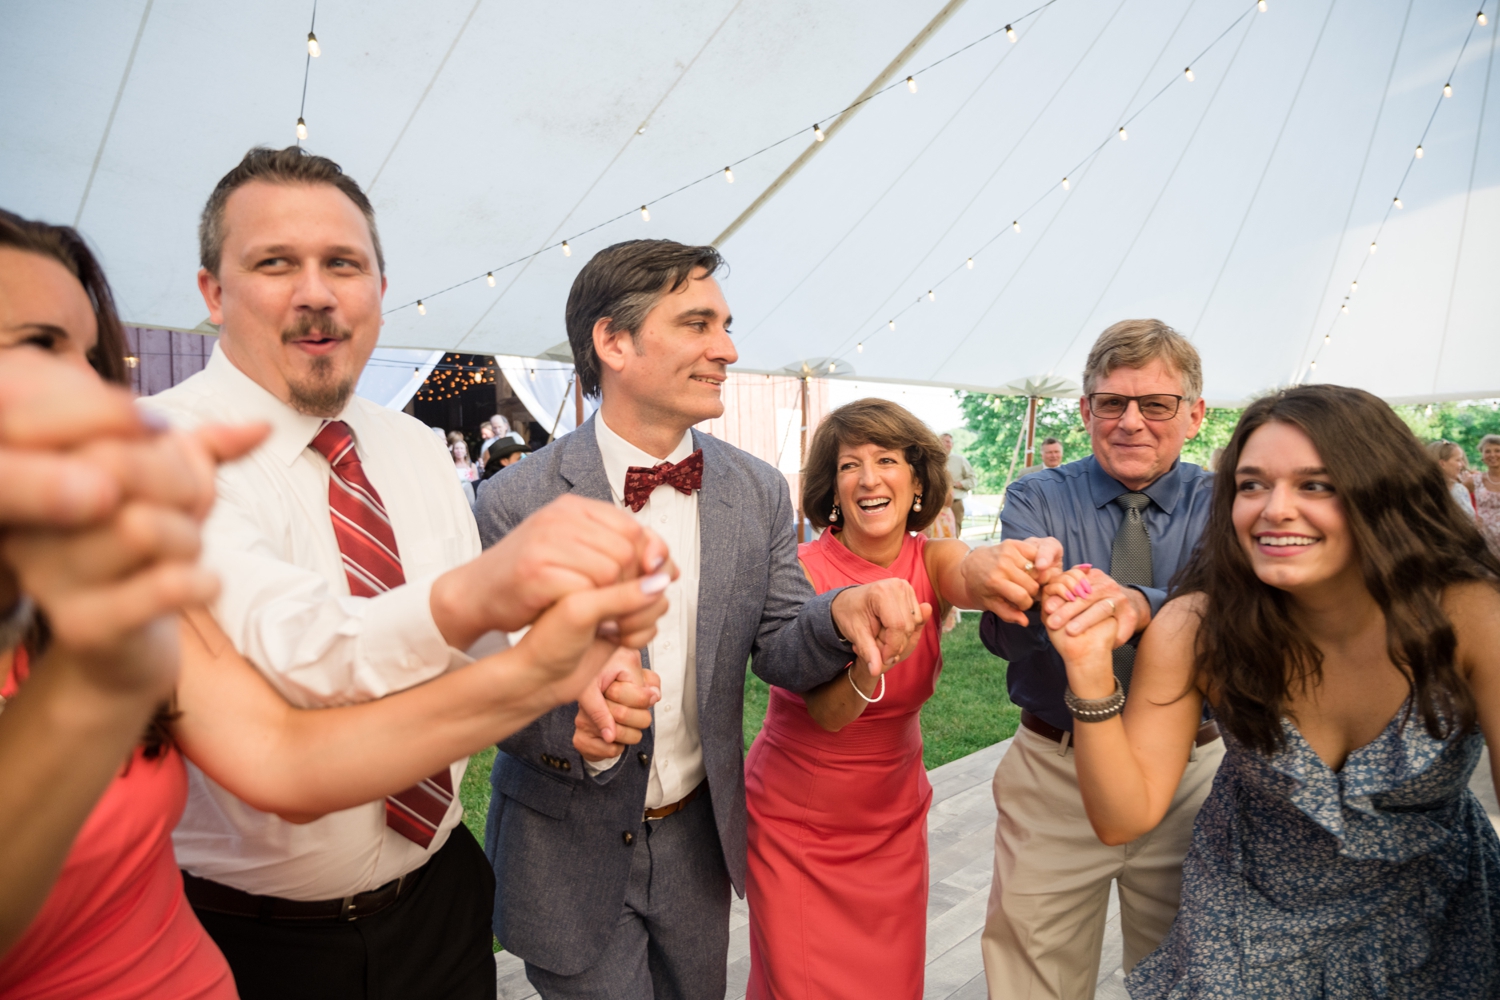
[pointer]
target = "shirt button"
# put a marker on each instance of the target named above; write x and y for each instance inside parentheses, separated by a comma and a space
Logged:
(629, 838)
(664, 519)
(666, 644)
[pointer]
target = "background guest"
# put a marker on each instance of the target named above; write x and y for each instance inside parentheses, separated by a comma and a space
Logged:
(503, 452)
(1450, 458)
(1052, 457)
(1487, 492)
(459, 449)
(962, 478)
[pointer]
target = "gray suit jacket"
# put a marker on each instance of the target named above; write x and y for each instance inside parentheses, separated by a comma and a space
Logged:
(556, 836)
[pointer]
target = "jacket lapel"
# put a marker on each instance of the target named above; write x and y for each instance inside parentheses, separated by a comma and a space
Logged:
(582, 465)
(718, 556)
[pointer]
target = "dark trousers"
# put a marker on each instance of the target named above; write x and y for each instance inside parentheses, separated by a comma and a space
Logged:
(433, 942)
(672, 938)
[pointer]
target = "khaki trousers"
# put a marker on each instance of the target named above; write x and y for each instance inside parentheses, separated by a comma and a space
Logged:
(957, 506)
(1050, 896)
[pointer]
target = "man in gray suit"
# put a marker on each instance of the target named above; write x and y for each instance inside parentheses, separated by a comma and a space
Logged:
(613, 864)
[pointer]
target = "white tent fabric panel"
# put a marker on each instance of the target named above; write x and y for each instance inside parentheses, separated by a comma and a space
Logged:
(486, 132)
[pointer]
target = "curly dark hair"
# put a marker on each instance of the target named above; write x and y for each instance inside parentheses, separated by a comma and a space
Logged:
(1412, 542)
(888, 425)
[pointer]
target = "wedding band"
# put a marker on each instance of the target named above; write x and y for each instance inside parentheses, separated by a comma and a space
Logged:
(1029, 566)
(1111, 604)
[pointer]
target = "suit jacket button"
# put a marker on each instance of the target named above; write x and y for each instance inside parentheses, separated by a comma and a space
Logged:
(567, 765)
(629, 838)
(645, 759)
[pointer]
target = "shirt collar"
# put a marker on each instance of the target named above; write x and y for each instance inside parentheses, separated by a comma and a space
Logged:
(291, 432)
(1164, 492)
(619, 455)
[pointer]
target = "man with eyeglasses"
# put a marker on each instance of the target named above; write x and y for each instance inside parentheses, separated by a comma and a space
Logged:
(1134, 510)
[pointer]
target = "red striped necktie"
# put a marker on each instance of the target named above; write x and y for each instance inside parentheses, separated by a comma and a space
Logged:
(372, 564)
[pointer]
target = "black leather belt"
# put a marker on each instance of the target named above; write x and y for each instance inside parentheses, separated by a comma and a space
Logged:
(215, 897)
(1207, 733)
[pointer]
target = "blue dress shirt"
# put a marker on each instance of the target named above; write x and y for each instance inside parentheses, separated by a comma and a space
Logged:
(1074, 503)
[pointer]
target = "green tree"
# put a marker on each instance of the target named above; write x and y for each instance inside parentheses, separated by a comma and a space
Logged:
(1462, 423)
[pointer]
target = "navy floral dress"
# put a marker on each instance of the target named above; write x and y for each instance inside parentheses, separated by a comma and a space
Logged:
(1378, 880)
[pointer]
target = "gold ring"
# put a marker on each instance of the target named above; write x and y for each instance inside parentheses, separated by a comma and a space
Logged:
(1111, 604)
(1029, 566)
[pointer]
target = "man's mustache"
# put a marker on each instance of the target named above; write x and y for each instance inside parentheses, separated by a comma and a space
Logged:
(322, 324)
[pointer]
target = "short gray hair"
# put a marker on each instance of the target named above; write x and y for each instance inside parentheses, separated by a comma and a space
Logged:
(1135, 343)
(624, 283)
(1489, 439)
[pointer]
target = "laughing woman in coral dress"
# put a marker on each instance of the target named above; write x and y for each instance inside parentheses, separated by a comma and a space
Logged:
(836, 791)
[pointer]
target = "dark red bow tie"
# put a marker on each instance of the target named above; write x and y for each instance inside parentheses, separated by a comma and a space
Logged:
(640, 480)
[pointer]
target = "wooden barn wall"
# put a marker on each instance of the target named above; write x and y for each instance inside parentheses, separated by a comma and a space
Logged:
(750, 421)
(165, 357)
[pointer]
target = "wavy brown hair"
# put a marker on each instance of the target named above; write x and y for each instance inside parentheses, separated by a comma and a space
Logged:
(1412, 542)
(888, 425)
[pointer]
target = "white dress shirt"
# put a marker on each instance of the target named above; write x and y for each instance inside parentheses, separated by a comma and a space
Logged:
(677, 764)
(285, 605)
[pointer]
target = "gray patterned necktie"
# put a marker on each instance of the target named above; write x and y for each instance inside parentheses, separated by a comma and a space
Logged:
(1130, 565)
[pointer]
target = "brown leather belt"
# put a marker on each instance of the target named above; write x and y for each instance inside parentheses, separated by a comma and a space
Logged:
(216, 897)
(1207, 733)
(664, 811)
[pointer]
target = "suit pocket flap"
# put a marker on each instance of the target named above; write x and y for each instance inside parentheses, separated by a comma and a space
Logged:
(531, 788)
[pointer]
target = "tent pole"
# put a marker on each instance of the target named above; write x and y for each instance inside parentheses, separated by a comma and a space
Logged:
(577, 404)
(802, 464)
(1009, 473)
(553, 436)
(1031, 402)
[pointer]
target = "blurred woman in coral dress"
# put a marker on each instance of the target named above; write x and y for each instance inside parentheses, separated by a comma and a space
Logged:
(835, 787)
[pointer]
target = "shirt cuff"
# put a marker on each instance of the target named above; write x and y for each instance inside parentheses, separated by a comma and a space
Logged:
(1155, 598)
(598, 767)
(399, 638)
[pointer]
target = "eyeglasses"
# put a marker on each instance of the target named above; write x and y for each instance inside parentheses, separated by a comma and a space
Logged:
(1157, 406)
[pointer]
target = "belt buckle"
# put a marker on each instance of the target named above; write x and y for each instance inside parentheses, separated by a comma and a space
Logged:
(346, 909)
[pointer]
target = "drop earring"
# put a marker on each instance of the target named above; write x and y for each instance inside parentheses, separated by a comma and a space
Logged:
(833, 515)
(918, 505)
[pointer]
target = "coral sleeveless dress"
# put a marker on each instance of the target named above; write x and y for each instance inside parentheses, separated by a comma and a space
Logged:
(837, 879)
(116, 925)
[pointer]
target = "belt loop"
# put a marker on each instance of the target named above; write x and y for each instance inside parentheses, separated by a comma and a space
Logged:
(1062, 744)
(346, 909)
(1193, 753)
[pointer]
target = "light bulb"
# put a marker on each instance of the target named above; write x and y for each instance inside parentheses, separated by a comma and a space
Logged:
(1010, 33)
(641, 130)
(728, 176)
(1353, 287)
(489, 278)
(1344, 308)
(1067, 184)
(860, 347)
(1189, 74)
(1123, 136)
(567, 250)
(831, 366)
(1372, 247)
(533, 374)
(1016, 225)
(911, 84)
(1262, 6)
(891, 324)
(1447, 90)
(645, 214)
(1419, 152)
(1327, 338)
(971, 263)
(931, 295)
(421, 309)
(131, 361)
(818, 132)
(1482, 19)
(478, 377)
(1397, 202)
(301, 129)
(1314, 366)
(313, 48)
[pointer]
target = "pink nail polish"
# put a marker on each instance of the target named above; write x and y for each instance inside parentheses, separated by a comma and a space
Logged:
(1085, 566)
(1084, 586)
(1071, 595)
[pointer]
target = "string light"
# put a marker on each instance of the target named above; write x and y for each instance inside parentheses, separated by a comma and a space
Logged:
(1123, 135)
(641, 130)
(533, 374)
(645, 214)
(131, 361)
(1397, 202)
(831, 366)
(860, 347)
(1447, 90)
(1327, 338)
(301, 129)
(1482, 19)
(1353, 287)
(1344, 308)
(818, 132)
(931, 295)
(970, 264)
(1011, 34)
(313, 48)
(911, 84)
(1262, 6)
(1314, 365)
(1067, 184)
(421, 309)
(567, 250)
(489, 279)
(728, 176)
(891, 324)
(478, 376)
(1016, 225)
(1189, 74)
(1372, 246)
(1419, 152)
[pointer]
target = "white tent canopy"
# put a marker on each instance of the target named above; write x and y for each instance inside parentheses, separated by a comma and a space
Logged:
(1239, 210)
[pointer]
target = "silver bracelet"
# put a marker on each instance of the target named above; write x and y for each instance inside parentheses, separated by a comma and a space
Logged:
(848, 672)
(16, 623)
(1095, 709)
